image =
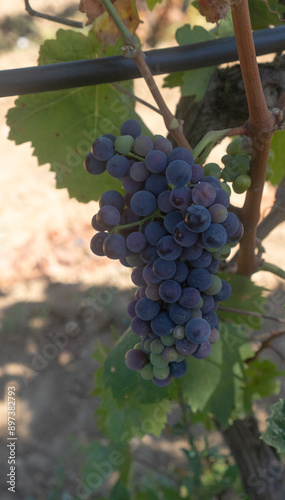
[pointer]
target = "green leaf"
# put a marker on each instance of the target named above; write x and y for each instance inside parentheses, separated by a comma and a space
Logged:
(152, 3)
(133, 419)
(263, 13)
(275, 432)
(196, 81)
(102, 460)
(187, 35)
(174, 80)
(119, 492)
(125, 383)
(216, 383)
(62, 125)
(278, 164)
(261, 379)
(246, 296)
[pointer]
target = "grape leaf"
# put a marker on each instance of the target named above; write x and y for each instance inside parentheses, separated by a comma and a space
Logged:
(125, 383)
(263, 13)
(62, 125)
(246, 296)
(105, 27)
(278, 164)
(152, 3)
(195, 81)
(261, 379)
(216, 383)
(274, 435)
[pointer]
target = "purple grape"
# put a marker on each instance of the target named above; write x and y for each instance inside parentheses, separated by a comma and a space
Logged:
(139, 172)
(214, 336)
(224, 293)
(114, 246)
(118, 166)
(181, 197)
(108, 217)
(163, 202)
(179, 314)
(203, 261)
(212, 318)
(185, 347)
(234, 239)
(210, 179)
(199, 279)
(113, 198)
(203, 350)
(152, 292)
(168, 249)
(181, 271)
(130, 185)
(94, 166)
(154, 232)
(163, 144)
(135, 359)
(208, 303)
(131, 308)
(96, 243)
(181, 154)
(190, 297)
(103, 149)
(149, 275)
(137, 276)
(184, 236)
(222, 197)
(197, 218)
(128, 217)
(191, 253)
(149, 254)
(170, 291)
(163, 269)
(156, 184)
(231, 224)
(162, 383)
(178, 369)
(178, 172)
(215, 236)
(203, 194)
(136, 242)
(197, 330)
(131, 127)
(171, 220)
(95, 224)
(143, 203)
(146, 309)
(162, 324)
(156, 161)
(197, 173)
(143, 145)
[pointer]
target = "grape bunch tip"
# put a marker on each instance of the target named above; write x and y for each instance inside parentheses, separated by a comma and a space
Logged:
(172, 227)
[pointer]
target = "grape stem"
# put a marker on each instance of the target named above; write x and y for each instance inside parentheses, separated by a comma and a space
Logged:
(132, 49)
(137, 223)
(134, 97)
(249, 313)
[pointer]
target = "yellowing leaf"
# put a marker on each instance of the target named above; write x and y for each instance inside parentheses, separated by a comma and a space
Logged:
(105, 28)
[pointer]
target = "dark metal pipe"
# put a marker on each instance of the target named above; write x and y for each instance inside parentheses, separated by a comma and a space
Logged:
(118, 68)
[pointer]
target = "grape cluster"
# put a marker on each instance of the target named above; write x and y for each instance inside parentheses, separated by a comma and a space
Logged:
(172, 227)
(237, 164)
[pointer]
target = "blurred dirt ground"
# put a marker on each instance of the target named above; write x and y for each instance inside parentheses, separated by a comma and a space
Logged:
(50, 286)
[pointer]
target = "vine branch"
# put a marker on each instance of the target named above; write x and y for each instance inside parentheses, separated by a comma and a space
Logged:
(250, 313)
(132, 50)
(260, 126)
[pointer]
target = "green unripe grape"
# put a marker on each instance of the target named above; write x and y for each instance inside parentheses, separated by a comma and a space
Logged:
(269, 172)
(212, 169)
(156, 346)
(228, 173)
(156, 137)
(178, 332)
(147, 372)
(241, 164)
(157, 360)
(234, 148)
(123, 144)
(181, 357)
(167, 341)
(222, 253)
(241, 183)
(196, 313)
(226, 188)
(161, 373)
(271, 155)
(200, 303)
(227, 159)
(218, 213)
(147, 344)
(138, 346)
(170, 354)
(215, 286)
